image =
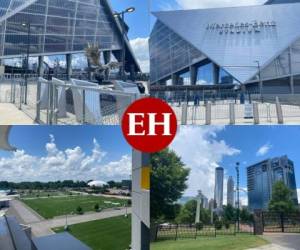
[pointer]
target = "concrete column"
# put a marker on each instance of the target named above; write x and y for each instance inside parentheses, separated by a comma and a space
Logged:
(258, 222)
(292, 84)
(69, 66)
(140, 232)
(2, 67)
(40, 70)
(216, 73)
(89, 70)
(132, 72)
(175, 79)
(107, 56)
(194, 74)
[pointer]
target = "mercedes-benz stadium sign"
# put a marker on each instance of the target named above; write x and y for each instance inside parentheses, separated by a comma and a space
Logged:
(241, 27)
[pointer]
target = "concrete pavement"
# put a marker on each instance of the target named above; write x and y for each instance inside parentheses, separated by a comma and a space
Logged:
(43, 228)
(281, 241)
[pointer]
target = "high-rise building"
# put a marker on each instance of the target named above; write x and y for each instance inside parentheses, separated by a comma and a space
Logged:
(219, 179)
(211, 204)
(230, 191)
(262, 176)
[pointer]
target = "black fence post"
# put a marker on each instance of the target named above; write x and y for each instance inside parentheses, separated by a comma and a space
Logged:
(282, 222)
(176, 232)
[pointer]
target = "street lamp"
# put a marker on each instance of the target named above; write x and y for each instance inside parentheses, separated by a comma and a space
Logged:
(237, 168)
(28, 25)
(122, 15)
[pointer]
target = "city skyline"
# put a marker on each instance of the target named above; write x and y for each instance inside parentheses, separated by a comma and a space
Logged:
(204, 148)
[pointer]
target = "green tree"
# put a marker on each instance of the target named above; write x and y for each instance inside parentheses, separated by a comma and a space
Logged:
(187, 213)
(246, 216)
(168, 182)
(229, 213)
(281, 201)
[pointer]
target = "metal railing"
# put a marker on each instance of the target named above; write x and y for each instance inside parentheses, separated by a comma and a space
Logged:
(65, 102)
(236, 112)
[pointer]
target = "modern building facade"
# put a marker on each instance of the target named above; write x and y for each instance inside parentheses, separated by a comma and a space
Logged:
(262, 176)
(51, 27)
(230, 191)
(219, 179)
(255, 47)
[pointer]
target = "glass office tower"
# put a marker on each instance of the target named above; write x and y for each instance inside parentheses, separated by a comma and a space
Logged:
(262, 176)
(219, 180)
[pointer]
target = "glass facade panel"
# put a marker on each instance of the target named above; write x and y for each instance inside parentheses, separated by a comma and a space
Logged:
(58, 26)
(169, 53)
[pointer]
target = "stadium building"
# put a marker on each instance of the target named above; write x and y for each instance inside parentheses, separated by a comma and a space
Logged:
(54, 27)
(254, 47)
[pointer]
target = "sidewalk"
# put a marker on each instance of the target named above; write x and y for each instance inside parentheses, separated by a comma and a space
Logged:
(281, 241)
(11, 115)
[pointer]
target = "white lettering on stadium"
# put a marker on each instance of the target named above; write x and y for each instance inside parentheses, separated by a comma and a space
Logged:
(240, 27)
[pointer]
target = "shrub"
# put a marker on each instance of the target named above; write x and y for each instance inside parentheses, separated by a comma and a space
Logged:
(199, 226)
(218, 225)
(79, 210)
(227, 224)
(96, 207)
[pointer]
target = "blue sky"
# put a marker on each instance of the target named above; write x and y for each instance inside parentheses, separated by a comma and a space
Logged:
(205, 148)
(66, 152)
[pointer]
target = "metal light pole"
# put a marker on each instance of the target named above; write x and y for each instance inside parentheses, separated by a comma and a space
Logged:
(28, 25)
(122, 15)
(238, 193)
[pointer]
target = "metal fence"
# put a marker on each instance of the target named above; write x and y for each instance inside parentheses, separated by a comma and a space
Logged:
(280, 222)
(181, 231)
(65, 102)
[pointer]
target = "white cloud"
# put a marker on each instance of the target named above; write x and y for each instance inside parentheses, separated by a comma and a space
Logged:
(71, 163)
(263, 150)
(197, 4)
(140, 48)
(202, 153)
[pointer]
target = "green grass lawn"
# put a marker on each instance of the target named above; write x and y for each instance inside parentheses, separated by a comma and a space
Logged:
(51, 207)
(108, 234)
(238, 242)
(35, 194)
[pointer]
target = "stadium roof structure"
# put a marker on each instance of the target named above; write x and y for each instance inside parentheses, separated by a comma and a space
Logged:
(281, 1)
(240, 40)
(61, 27)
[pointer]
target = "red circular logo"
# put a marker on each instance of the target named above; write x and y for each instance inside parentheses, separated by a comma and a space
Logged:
(149, 125)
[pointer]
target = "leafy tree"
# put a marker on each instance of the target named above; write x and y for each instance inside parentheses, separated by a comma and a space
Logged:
(96, 207)
(229, 213)
(187, 213)
(246, 216)
(168, 182)
(281, 201)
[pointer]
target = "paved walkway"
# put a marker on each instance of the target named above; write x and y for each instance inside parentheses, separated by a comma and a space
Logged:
(43, 228)
(11, 115)
(281, 241)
